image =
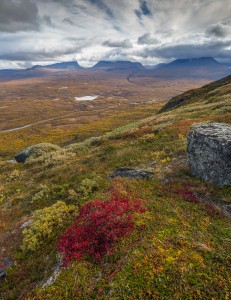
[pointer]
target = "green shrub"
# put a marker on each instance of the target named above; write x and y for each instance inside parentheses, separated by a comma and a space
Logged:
(41, 149)
(60, 191)
(89, 185)
(13, 176)
(42, 194)
(45, 224)
(52, 158)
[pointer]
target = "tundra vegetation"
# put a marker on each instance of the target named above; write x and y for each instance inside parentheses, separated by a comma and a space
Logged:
(160, 238)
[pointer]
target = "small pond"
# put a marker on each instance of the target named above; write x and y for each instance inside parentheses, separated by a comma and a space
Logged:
(86, 98)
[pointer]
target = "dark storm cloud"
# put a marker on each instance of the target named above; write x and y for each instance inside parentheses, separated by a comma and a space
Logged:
(118, 44)
(218, 30)
(41, 55)
(115, 55)
(102, 6)
(21, 15)
(68, 21)
(48, 21)
(143, 9)
(147, 39)
(212, 49)
(27, 49)
(66, 3)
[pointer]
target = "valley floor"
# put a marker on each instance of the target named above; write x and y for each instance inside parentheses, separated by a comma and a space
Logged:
(48, 105)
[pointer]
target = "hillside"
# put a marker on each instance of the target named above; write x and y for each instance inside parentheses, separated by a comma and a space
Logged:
(201, 94)
(178, 246)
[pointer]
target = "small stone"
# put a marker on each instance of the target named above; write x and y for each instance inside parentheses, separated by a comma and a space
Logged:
(202, 248)
(11, 161)
(26, 224)
(166, 181)
(223, 105)
(2, 275)
(227, 210)
(131, 173)
(55, 274)
(4, 264)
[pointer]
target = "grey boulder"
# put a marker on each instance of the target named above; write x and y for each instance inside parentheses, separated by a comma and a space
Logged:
(209, 152)
(131, 173)
(35, 151)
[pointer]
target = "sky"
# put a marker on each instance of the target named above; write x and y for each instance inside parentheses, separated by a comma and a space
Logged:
(149, 31)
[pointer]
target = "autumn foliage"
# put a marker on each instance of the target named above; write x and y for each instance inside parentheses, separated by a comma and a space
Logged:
(187, 195)
(98, 226)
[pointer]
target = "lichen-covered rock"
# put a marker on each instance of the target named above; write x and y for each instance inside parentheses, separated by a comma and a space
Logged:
(131, 173)
(35, 151)
(209, 152)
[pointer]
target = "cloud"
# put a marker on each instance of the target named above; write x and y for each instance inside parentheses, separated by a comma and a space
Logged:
(48, 21)
(218, 30)
(147, 39)
(68, 21)
(47, 50)
(37, 55)
(118, 44)
(143, 9)
(210, 48)
(21, 15)
(102, 6)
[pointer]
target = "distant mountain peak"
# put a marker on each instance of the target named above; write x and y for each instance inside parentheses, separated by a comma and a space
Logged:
(118, 65)
(69, 65)
(195, 61)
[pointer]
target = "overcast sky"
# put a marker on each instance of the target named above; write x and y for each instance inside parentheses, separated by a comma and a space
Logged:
(149, 31)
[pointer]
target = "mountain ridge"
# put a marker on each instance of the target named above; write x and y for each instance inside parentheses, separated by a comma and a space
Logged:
(70, 65)
(118, 65)
(194, 61)
(193, 68)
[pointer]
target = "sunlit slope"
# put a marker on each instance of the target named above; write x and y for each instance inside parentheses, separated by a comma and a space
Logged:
(180, 248)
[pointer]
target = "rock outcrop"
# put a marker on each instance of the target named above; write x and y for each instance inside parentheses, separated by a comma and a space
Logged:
(131, 173)
(209, 152)
(35, 151)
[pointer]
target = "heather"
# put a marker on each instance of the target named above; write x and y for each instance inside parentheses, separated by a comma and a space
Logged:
(98, 226)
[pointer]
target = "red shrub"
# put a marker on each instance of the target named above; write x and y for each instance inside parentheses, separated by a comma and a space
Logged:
(98, 226)
(186, 194)
(212, 210)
